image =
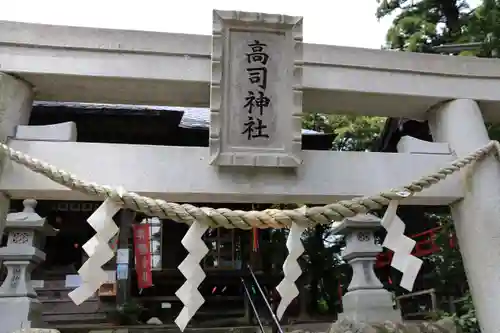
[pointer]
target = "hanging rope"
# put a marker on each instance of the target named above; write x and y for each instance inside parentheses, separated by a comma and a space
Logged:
(226, 218)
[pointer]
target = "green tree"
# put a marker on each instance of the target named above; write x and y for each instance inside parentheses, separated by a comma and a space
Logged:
(484, 27)
(352, 133)
(322, 260)
(450, 277)
(420, 25)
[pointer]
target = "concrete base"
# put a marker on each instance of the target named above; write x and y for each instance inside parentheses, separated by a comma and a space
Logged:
(19, 313)
(369, 306)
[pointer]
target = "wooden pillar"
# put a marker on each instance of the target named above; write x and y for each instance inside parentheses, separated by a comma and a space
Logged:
(303, 300)
(126, 219)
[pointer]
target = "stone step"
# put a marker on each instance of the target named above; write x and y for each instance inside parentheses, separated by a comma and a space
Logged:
(74, 318)
(67, 306)
(167, 328)
(51, 284)
(57, 307)
(50, 296)
(55, 291)
(227, 313)
(97, 328)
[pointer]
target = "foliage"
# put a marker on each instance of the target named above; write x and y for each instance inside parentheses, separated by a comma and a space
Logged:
(420, 25)
(493, 131)
(467, 321)
(322, 266)
(126, 314)
(352, 133)
(447, 263)
(484, 27)
(465, 318)
(450, 278)
(322, 262)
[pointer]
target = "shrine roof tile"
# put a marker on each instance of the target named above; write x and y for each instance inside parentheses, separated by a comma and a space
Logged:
(192, 117)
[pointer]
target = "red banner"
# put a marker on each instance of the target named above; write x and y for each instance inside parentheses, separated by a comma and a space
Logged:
(142, 252)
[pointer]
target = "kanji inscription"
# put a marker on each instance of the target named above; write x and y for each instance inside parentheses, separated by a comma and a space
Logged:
(256, 90)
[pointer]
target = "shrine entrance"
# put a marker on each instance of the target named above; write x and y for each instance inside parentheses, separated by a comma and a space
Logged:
(256, 78)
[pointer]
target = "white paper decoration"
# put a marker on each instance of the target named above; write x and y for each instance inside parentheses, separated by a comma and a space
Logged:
(188, 293)
(291, 269)
(401, 245)
(98, 250)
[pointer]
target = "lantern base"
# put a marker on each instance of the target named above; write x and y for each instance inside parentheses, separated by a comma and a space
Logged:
(18, 313)
(369, 306)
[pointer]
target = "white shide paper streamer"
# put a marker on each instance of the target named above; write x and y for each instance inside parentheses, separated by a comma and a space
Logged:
(188, 293)
(401, 245)
(98, 250)
(291, 269)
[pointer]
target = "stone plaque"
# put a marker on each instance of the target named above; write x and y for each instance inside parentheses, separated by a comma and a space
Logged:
(256, 90)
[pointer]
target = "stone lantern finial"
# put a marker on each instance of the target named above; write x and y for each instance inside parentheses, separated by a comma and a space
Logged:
(29, 205)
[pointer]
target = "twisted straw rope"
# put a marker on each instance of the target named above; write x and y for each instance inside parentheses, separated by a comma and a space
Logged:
(223, 217)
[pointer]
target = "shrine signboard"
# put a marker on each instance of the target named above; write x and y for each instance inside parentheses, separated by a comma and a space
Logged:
(256, 90)
(142, 255)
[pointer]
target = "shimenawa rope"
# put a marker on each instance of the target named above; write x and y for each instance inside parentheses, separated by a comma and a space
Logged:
(223, 217)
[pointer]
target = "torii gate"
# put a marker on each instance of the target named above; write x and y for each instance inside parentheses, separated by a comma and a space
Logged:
(455, 94)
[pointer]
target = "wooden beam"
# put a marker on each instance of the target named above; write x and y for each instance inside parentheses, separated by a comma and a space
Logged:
(183, 174)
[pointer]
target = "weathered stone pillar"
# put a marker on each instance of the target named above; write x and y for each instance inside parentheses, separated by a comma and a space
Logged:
(366, 299)
(16, 100)
(19, 307)
(461, 124)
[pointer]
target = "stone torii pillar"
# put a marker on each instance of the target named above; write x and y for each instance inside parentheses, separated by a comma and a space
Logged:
(477, 216)
(16, 101)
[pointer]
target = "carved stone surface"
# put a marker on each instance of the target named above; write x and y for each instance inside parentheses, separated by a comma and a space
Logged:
(16, 276)
(409, 144)
(364, 236)
(25, 230)
(19, 307)
(365, 289)
(20, 237)
(256, 90)
(16, 98)
(54, 132)
(350, 326)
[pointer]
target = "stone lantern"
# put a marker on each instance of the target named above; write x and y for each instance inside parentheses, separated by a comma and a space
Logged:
(19, 307)
(366, 299)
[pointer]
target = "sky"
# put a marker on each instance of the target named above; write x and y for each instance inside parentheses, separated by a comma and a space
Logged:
(333, 22)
